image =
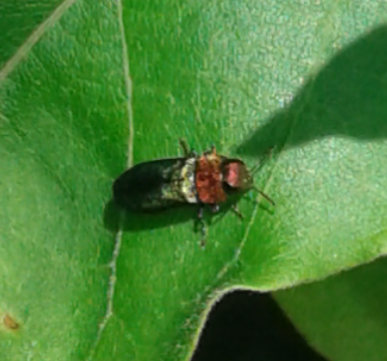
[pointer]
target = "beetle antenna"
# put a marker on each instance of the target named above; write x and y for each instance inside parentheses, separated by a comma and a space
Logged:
(263, 159)
(264, 195)
(186, 151)
(256, 168)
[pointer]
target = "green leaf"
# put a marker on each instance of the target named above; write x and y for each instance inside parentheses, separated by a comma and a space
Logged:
(343, 316)
(63, 135)
(307, 79)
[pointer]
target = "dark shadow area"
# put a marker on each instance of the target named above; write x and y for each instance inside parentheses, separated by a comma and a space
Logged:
(246, 326)
(346, 98)
(180, 214)
(140, 221)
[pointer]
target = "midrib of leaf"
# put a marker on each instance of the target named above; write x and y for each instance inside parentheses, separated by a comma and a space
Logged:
(118, 237)
(12, 64)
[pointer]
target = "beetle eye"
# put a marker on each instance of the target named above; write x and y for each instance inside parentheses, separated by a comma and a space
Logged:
(232, 175)
(236, 175)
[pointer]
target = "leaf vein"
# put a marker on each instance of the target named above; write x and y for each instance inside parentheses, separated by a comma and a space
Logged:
(23, 50)
(118, 238)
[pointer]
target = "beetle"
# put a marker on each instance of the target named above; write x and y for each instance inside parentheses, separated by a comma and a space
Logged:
(206, 179)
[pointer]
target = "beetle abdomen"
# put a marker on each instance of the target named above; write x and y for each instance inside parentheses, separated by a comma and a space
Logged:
(152, 186)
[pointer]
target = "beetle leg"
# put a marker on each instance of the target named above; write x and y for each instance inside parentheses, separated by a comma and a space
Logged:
(213, 149)
(202, 225)
(184, 146)
(264, 195)
(215, 208)
(236, 210)
(200, 212)
(186, 151)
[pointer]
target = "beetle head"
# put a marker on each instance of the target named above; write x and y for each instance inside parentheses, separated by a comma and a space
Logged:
(236, 175)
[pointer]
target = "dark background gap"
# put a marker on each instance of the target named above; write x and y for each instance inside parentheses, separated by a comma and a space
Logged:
(247, 325)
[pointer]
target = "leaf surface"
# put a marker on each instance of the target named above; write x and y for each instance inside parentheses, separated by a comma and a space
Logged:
(308, 80)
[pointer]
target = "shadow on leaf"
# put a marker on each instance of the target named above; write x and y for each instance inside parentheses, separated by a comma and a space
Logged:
(346, 98)
(146, 221)
(153, 220)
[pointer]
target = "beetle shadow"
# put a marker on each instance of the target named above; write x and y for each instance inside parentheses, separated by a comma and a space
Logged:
(346, 98)
(133, 222)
